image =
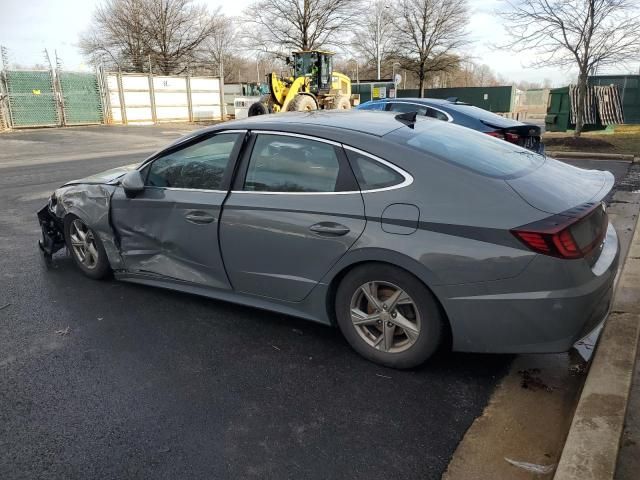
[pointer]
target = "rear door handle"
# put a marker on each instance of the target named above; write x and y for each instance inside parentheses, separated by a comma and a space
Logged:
(329, 229)
(199, 217)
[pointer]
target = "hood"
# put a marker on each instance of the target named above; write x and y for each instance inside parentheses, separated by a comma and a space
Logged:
(556, 187)
(108, 176)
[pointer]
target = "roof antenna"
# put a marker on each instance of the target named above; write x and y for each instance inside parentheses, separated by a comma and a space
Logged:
(409, 118)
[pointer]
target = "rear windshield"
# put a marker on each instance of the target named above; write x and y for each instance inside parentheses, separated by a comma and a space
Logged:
(484, 115)
(468, 148)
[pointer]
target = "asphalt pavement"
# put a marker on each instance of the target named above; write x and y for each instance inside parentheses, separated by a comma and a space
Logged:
(105, 379)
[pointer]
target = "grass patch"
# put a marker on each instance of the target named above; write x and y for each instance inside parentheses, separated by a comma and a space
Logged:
(624, 140)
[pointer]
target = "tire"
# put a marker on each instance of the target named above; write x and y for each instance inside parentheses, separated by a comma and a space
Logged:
(257, 108)
(302, 103)
(342, 103)
(418, 312)
(95, 264)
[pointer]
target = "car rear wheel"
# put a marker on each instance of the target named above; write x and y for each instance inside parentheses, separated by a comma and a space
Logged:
(388, 316)
(86, 248)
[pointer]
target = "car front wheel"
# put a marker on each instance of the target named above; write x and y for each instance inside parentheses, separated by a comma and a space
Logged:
(86, 248)
(388, 315)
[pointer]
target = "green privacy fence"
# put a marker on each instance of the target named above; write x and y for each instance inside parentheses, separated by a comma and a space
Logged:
(41, 98)
(81, 99)
(31, 98)
(373, 90)
(495, 99)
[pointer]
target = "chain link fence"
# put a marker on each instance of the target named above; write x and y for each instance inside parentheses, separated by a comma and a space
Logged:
(39, 98)
(44, 98)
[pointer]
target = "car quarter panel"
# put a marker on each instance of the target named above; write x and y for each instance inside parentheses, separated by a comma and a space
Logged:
(554, 303)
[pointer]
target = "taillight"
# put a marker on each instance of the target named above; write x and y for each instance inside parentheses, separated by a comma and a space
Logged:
(496, 135)
(571, 234)
(512, 137)
(508, 136)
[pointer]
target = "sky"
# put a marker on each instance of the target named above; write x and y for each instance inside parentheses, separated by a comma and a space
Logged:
(29, 26)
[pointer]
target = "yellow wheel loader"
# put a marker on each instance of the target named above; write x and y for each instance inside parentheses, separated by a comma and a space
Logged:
(314, 85)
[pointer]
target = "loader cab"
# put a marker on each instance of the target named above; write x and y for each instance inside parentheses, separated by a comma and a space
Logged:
(317, 65)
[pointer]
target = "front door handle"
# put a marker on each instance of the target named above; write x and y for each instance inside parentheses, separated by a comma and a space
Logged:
(199, 217)
(329, 229)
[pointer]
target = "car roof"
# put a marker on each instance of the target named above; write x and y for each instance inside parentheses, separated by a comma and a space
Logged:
(436, 101)
(362, 121)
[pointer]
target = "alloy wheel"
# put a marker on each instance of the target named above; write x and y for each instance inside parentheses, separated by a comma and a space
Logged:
(385, 316)
(83, 244)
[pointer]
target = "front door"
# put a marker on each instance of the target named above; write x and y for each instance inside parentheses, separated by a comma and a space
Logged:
(171, 228)
(295, 211)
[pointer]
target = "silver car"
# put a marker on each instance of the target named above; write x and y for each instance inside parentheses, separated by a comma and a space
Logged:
(405, 233)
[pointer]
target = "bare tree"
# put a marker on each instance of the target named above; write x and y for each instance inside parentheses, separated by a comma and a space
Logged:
(279, 26)
(129, 33)
(374, 38)
(222, 47)
(176, 29)
(428, 32)
(586, 34)
(117, 35)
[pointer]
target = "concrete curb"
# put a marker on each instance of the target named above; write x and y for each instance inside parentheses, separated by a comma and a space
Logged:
(594, 156)
(592, 445)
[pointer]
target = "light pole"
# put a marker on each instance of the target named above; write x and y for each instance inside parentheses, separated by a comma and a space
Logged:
(393, 70)
(357, 74)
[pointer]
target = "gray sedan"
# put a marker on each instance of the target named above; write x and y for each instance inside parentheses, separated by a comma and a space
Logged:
(406, 233)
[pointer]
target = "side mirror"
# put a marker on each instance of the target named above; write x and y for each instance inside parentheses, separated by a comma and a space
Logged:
(132, 183)
(288, 60)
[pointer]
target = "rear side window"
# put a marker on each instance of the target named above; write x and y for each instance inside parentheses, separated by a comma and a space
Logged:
(371, 174)
(433, 113)
(281, 163)
(468, 148)
(408, 107)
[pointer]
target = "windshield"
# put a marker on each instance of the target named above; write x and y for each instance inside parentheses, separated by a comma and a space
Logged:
(304, 64)
(468, 148)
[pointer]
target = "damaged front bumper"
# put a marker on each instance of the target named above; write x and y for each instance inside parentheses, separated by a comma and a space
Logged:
(52, 232)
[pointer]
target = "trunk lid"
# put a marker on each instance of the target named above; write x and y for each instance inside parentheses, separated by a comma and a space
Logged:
(521, 129)
(556, 187)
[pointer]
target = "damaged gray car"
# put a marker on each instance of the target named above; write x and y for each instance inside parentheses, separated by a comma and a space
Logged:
(405, 232)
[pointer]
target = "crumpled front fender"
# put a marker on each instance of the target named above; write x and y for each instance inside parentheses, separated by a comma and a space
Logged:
(90, 203)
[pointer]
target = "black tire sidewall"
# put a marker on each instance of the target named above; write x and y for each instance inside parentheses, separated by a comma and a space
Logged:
(430, 315)
(257, 108)
(103, 268)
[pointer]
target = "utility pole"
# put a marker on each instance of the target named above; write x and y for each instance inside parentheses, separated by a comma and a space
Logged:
(58, 60)
(4, 57)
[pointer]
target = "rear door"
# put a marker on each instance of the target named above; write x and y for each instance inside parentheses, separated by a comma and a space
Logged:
(294, 211)
(171, 228)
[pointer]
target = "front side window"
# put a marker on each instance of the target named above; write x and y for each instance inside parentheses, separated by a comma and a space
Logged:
(198, 166)
(371, 174)
(408, 107)
(280, 163)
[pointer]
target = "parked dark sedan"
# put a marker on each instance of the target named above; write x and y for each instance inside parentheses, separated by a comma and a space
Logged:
(403, 233)
(522, 134)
